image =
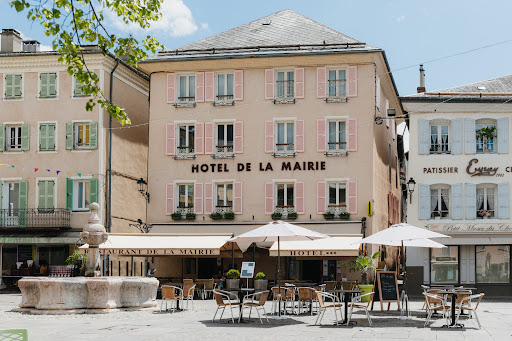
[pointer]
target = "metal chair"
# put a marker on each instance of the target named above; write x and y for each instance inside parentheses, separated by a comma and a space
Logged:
(209, 285)
(465, 304)
(250, 302)
(334, 303)
(307, 296)
(435, 303)
(223, 300)
(169, 293)
(287, 295)
(356, 303)
(187, 293)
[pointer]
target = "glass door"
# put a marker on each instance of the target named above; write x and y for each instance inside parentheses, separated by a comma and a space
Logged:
(10, 204)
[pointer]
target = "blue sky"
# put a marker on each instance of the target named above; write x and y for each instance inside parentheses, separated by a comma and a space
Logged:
(411, 32)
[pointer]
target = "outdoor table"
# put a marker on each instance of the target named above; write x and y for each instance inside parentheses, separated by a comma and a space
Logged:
(241, 294)
(453, 293)
(347, 297)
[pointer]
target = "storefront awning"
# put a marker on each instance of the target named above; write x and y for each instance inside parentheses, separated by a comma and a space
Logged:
(144, 245)
(336, 246)
(476, 240)
(56, 238)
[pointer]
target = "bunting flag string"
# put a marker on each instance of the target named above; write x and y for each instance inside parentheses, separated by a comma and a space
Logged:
(57, 172)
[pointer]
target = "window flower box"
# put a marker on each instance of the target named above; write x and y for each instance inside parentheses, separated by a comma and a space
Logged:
(229, 215)
(292, 215)
(277, 215)
(176, 216)
(344, 216)
(329, 215)
(216, 216)
(190, 216)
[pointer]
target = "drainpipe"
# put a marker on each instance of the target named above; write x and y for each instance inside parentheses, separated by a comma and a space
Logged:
(109, 225)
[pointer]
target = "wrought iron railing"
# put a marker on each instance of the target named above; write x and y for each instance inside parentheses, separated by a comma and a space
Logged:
(224, 149)
(285, 209)
(185, 210)
(35, 217)
(336, 209)
(285, 147)
(337, 146)
(223, 209)
(185, 150)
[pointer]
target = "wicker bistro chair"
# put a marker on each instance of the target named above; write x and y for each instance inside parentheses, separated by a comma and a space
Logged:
(326, 301)
(223, 300)
(169, 294)
(307, 297)
(330, 286)
(356, 303)
(187, 293)
(287, 295)
(465, 304)
(252, 301)
(435, 303)
(209, 285)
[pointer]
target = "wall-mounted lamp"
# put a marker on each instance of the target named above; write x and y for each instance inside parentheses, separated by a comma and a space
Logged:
(143, 185)
(410, 186)
(142, 227)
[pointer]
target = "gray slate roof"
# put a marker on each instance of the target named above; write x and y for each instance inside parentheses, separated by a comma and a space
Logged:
(501, 84)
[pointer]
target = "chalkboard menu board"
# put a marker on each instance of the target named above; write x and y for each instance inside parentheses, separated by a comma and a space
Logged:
(24, 253)
(386, 288)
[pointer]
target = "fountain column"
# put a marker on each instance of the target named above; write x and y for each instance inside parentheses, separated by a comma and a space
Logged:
(94, 234)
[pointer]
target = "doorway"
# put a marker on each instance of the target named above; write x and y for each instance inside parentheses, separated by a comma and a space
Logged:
(312, 270)
(207, 268)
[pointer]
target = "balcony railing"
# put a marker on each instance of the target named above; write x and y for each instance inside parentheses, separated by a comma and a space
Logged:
(185, 210)
(35, 217)
(224, 152)
(223, 209)
(284, 210)
(185, 152)
(336, 149)
(337, 209)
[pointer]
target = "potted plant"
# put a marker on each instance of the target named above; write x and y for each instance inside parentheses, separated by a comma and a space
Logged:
(363, 264)
(233, 279)
(260, 282)
(434, 148)
(437, 215)
(292, 215)
(345, 215)
(216, 215)
(329, 215)
(229, 215)
(484, 214)
(176, 216)
(485, 134)
(78, 261)
(277, 215)
(190, 215)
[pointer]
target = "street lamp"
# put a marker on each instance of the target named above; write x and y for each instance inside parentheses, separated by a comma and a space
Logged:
(142, 188)
(410, 186)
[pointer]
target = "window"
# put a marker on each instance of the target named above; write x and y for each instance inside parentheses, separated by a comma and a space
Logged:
(337, 197)
(82, 133)
(284, 84)
(14, 137)
(187, 88)
(46, 195)
(224, 138)
(224, 197)
(439, 202)
(285, 197)
(485, 136)
(47, 137)
(337, 83)
(285, 137)
(47, 85)
(492, 263)
(485, 201)
(225, 87)
(337, 136)
(77, 91)
(439, 139)
(185, 198)
(13, 86)
(444, 265)
(81, 195)
(186, 139)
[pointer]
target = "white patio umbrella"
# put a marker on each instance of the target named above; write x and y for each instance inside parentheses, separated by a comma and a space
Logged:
(417, 243)
(276, 231)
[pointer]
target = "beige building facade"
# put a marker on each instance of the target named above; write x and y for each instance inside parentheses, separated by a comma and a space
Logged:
(242, 134)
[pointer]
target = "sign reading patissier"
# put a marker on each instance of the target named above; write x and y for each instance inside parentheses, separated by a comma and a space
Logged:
(157, 252)
(468, 228)
(473, 168)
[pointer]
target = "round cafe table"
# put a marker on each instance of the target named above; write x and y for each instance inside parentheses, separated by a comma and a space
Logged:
(242, 292)
(347, 297)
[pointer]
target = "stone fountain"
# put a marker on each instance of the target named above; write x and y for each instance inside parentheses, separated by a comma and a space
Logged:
(89, 294)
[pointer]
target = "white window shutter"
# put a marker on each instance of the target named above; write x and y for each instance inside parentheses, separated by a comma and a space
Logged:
(504, 200)
(470, 201)
(299, 82)
(503, 135)
(199, 87)
(352, 81)
(469, 136)
(456, 136)
(423, 137)
(423, 201)
(457, 209)
(239, 85)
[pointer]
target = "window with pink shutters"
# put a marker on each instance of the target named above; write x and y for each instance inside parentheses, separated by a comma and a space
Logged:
(320, 197)
(237, 204)
(239, 137)
(299, 82)
(269, 136)
(352, 197)
(299, 136)
(352, 81)
(299, 197)
(170, 145)
(239, 85)
(321, 73)
(321, 140)
(199, 132)
(198, 198)
(269, 84)
(171, 87)
(169, 198)
(208, 198)
(209, 88)
(199, 86)
(209, 137)
(269, 198)
(352, 135)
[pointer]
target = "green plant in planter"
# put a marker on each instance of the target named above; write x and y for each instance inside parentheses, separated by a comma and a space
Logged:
(345, 215)
(277, 215)
(486, 134)
(229, 215)
(190, 215)
(329, 215)
(292, 215)
(176, 215)
(362, 264)
(260, 275)
(216, 215)
(233, 274)
(76, 259)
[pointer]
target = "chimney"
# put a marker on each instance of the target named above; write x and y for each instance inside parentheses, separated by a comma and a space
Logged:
(421, 88)
(31, 46)
(11, 40)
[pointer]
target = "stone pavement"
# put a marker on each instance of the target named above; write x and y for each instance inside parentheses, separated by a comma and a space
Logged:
(196, 324)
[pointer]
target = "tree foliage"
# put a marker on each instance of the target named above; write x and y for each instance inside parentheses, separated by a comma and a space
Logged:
(362, 264)
(73, 23)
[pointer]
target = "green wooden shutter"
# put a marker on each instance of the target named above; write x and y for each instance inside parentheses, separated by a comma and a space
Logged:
(93, 135)
(51, 136)
(43, 137)
(46, 195)
(41, 200)
(25, 136)
(93, 191)
(23, 203)
(2, 137)
(69, 135)
(9, 86)
(17, 86)
(43, 81)
(69, 194)
(52, 84)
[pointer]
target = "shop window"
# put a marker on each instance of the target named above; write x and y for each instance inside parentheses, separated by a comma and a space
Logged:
(185, 198)
(486, 132)
(285, 84)
(224, 197)
(439, 202)
(485, 201)
(492, 263)
(439, 143)
(187, 88)
(444, 265)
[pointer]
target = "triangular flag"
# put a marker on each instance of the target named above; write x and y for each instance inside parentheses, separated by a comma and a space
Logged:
(79, 174)
(35, 169)
(48, 170)
(12, 166)
(67, 173)
(58, 172)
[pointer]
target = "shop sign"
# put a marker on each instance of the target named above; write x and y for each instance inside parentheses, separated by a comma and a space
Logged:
(472, 169)
(261, 167)
(314, 253)
(157, 252)
(38, 240)
(467, 228)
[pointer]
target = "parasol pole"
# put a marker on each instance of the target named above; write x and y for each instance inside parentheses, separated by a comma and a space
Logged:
(279, 275)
